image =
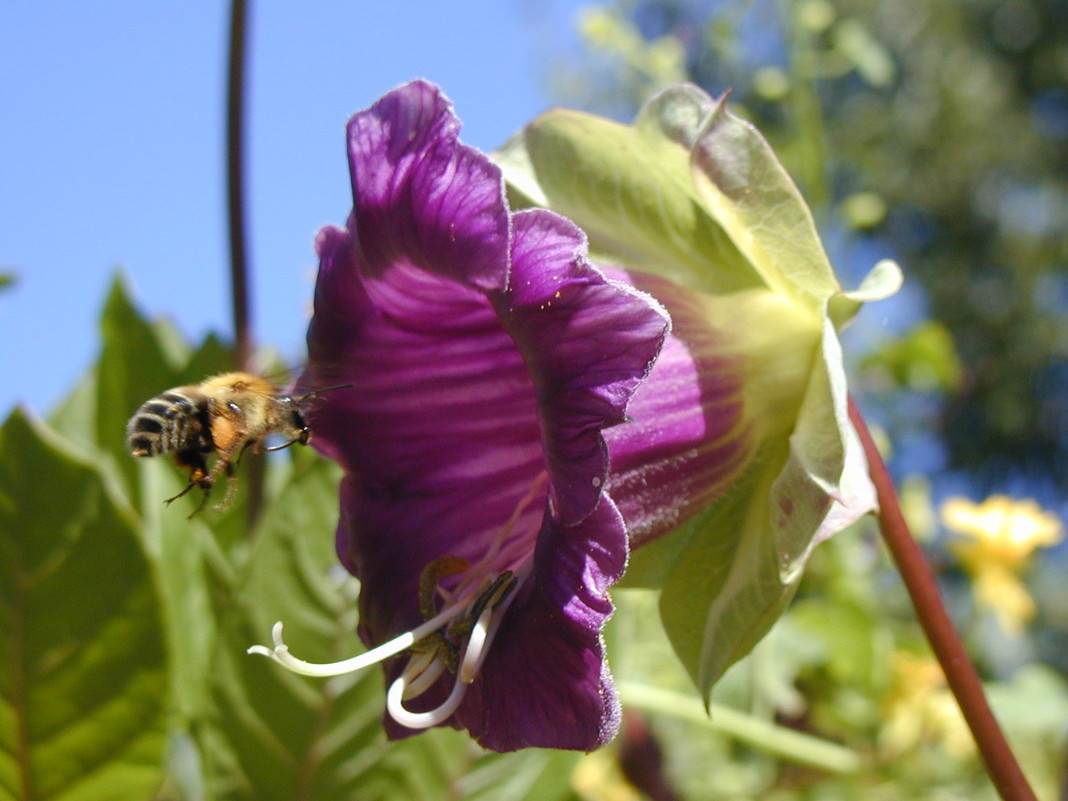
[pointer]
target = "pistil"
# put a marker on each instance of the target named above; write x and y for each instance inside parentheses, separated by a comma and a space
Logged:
(478, 616)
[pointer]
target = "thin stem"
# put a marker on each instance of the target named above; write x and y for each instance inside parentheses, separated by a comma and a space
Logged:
(961, 675)
(235, 193)
(235, 183)
(764, 735)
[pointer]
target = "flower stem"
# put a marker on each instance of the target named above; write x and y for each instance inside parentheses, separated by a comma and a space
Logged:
(762, 734)
(961, 675)
(235, 184)
(235, 192)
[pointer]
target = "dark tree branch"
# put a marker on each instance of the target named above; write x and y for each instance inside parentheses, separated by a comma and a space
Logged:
(235, 184)
(235, 192)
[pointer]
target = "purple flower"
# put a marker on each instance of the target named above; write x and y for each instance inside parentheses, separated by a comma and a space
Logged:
(486, 356)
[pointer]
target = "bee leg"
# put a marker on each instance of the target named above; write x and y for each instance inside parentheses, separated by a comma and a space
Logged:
(251, 445)
(302, 439)
(231, 485)
(188, 487)
(203, 500)
(198, 476)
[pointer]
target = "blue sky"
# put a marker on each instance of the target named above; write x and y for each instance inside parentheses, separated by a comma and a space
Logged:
(112, 151)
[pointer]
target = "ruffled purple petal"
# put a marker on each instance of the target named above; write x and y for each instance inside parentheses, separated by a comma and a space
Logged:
(421, 197)
(588, 342)
(688, 438)
(548, 666)
(439, 436)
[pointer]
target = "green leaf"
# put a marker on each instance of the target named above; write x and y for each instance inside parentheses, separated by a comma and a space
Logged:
(177, 548)
(535, 774)
(83, 681)
(7, 280)
(442, 763)
(277, 735)
(74, 417)
(213, 356)
(925, 359)
(138, 360)
(132, 368)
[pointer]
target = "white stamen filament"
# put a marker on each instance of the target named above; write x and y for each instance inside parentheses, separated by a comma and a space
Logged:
(476, 648)
(486, 626)
(424, 668)
(421, 720)
(424, 676)
(280, 652)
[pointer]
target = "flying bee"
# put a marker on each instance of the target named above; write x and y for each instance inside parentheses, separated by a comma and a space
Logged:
(225, 415)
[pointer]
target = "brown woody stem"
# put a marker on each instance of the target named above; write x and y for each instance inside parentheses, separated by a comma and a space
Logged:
(235, 192)
(235, 184)
(961, 675)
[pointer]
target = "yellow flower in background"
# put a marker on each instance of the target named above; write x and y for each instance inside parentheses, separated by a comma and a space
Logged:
(921, 709)
(1003, 532)
(597, 777)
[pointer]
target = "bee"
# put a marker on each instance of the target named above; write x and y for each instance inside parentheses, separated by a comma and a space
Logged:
(225, 415)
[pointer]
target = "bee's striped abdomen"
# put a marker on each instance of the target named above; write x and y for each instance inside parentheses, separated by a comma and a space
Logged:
(175, 420)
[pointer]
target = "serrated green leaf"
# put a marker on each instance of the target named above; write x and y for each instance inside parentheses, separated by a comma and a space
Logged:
(211, 357)
(83, 681)
(278, 735)
(132, 368)
(176, 546)
(74, 417)
(138, 360)
(533, 775)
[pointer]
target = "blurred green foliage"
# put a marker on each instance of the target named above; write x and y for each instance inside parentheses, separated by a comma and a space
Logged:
(935, 130)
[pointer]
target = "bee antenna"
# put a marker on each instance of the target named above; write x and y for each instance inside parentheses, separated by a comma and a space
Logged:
(315, 392)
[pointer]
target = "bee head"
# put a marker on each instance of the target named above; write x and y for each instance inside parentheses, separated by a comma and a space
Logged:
(295, 408)
(298, 423)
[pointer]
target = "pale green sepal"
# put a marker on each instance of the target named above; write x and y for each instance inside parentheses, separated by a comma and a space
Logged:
(746, 190)
(676, 113)
(523, 188)
(632, 194)
(884, 280)
(824, 485)
(732, 570)
(725, 591)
